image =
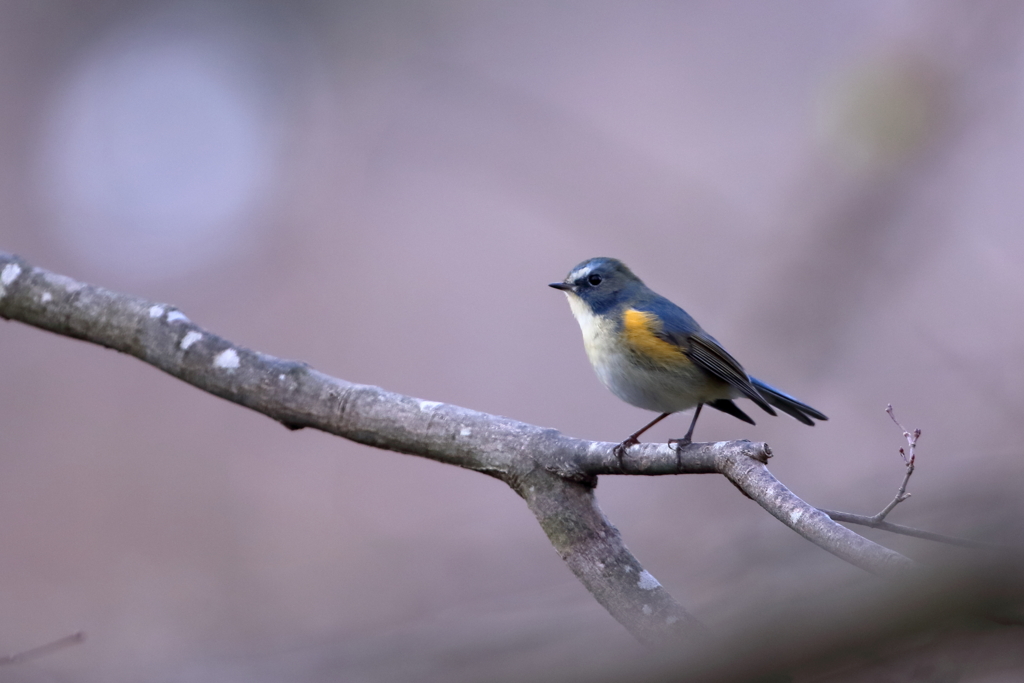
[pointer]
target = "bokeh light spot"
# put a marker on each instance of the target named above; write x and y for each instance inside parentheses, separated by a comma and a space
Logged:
(159, 147)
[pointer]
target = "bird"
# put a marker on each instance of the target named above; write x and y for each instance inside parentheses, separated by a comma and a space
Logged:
(652, 354)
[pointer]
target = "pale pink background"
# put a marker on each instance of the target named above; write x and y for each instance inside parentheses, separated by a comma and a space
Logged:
(427, 169)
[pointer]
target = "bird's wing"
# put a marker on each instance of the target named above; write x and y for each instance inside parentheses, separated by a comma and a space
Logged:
(709, 354)
(682, 330)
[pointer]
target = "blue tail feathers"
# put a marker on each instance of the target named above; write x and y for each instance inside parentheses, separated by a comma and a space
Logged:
(788, 404)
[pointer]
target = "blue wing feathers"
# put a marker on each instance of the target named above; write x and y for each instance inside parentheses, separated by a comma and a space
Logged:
(681, 329)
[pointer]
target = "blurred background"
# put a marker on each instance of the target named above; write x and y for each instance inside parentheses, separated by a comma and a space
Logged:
(384, 190)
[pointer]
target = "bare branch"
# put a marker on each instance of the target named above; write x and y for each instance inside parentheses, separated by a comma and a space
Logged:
(744, 464)
(875, 523)
(43, 650)
(554, 473)
(596, 554)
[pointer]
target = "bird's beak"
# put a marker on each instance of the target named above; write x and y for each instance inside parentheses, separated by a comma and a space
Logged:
(564, 286)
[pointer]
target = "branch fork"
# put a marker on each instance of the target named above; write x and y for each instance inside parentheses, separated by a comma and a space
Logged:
(555, 474)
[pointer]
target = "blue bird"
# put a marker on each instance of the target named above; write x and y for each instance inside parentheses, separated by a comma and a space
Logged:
(653, 355)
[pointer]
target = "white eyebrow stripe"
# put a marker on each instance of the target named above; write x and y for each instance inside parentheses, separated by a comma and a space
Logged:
(579, 273)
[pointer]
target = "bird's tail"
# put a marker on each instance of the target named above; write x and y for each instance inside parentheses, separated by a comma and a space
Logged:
(787, 404)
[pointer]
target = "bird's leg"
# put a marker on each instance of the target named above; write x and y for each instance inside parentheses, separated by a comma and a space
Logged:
(686, 440)
(634, 438)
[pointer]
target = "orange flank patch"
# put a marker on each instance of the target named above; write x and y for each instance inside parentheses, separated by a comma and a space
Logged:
(638, 331)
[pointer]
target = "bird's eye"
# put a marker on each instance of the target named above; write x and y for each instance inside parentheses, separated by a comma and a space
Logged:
(594, 279)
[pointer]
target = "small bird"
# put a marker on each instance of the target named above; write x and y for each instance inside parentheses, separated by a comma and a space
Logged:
(653, 355)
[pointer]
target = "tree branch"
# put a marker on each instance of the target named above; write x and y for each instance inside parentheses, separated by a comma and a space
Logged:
(877, 521)
(43, 650)
(554, 473)
(873, 522)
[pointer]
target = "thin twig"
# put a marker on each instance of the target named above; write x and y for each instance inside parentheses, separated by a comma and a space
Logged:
(43, 650)
(870, 521)
(908, 460)
(878, 521)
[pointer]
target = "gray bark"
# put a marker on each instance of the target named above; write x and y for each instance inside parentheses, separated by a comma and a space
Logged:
(555, 474)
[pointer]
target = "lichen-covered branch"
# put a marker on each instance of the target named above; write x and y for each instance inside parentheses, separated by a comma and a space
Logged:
(554, 473)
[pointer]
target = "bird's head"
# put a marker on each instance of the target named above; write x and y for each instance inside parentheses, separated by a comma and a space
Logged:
(602, 284)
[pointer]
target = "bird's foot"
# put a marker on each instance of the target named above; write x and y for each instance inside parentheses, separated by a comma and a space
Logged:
(620, 450)
(679, 444)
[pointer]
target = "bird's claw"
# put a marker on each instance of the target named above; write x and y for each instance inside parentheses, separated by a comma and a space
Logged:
(679, 444)
(620, 450)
